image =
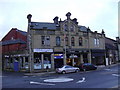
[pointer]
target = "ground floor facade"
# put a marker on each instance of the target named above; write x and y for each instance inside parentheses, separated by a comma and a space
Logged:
(49, 59)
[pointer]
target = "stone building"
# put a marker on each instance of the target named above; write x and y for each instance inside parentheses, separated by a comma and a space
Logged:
(111, 51)
(55, 44)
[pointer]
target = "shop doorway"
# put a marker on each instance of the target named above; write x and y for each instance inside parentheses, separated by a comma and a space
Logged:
(58, 63)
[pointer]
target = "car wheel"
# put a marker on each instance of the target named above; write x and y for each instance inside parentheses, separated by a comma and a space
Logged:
(76, 70)
(63, 72)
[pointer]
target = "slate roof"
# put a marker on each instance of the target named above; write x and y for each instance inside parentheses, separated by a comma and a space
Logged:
(41, 25)
(82, 28)
(22, 32)
(111, 47)
(51, 26)
(8, 42)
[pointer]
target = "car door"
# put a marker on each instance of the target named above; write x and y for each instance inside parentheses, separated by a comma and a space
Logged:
(91, 67)
(72, 69)
(67, 69)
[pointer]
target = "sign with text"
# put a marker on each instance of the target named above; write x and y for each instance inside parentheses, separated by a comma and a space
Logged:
(42, 50)
(58, 56)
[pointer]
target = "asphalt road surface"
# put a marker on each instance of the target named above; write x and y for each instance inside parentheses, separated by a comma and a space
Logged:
(105, 78)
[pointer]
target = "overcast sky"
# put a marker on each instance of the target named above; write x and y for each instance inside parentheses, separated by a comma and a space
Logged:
(97, 14)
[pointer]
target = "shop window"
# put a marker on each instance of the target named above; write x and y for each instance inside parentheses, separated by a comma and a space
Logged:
(58, 41)
(45, 40)
(80, 41)
(37, 61)
(47, 62)
(11, 60)
(72, 41)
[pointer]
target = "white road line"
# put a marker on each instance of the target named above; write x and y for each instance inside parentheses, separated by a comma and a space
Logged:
(116, 75)
(110, 70)
(80, 81)
(25, 76)
(59, 80)
(3, 76)
(32, 82)
(107, 69)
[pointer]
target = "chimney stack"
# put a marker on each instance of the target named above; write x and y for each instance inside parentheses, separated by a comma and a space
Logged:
(29, 16)
(56, 20)
(68, 15)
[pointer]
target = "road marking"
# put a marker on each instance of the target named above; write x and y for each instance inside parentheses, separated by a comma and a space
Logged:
(110, 70)
(80, 81)
(32, 82)
(33, 76)
(3, 76)
(25, 76)
(116, 75)
(107, 69)
(60, 79)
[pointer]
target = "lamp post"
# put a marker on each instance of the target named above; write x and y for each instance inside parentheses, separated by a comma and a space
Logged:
(64, 49)
(29, 43)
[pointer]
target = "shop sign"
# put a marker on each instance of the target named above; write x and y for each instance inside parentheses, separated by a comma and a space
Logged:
(73, 56)
(42, 50)
(58, 56)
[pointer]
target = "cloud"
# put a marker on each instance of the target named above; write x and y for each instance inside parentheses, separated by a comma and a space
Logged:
(97, 14)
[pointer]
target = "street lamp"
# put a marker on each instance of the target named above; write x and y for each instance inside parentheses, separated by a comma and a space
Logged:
(64, 48)
(29, 42)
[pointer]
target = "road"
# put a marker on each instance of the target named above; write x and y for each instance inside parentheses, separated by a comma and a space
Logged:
(104, 78)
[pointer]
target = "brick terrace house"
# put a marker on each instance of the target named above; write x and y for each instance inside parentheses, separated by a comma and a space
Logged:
(14, 46)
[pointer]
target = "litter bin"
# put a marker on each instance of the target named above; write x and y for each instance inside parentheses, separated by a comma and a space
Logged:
(16, 66)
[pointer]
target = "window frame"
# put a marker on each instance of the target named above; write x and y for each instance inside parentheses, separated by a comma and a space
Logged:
(80, 41)
(45, 40)
(72, 41)
(58, 41)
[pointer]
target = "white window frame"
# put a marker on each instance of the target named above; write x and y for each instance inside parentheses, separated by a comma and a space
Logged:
(46, 40)
(96, 42)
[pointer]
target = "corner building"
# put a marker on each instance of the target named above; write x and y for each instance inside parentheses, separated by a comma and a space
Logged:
(64, 42)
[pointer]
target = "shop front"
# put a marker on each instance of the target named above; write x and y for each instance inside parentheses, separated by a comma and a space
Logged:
(43, 59)
(16, 62)
(98, 57)
(77, 56)
(58, 60)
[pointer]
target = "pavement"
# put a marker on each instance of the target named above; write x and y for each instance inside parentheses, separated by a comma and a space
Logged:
(100, 67)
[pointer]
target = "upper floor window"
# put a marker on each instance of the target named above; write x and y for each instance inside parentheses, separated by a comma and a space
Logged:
(96, 42)
(80, 41)
(72, 41)
(58, 41)
(65, 27)
(45, 40)
(72, 28)
(66, 41)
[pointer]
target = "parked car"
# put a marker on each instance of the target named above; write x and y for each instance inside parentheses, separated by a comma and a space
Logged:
(87, 66)
(67, 69)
